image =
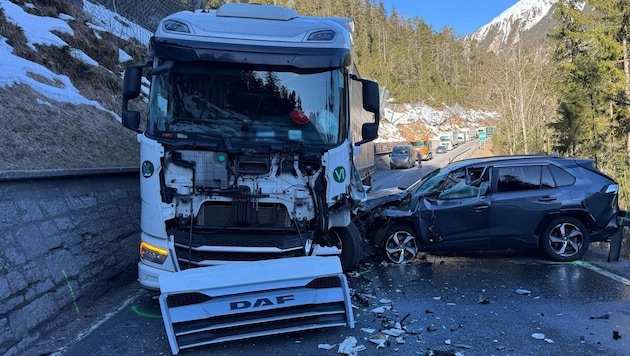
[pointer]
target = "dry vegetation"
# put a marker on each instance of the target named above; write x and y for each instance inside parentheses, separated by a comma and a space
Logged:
(39, 133)
(485, 149)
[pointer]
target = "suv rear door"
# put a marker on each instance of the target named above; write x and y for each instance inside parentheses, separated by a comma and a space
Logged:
(523, 195)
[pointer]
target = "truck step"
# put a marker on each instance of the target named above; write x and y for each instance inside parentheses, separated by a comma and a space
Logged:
(208, 305)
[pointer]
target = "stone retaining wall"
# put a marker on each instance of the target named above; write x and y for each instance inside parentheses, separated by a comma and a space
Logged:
(65, 236)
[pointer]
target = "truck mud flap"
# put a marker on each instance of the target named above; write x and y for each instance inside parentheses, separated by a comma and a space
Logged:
(215, 304)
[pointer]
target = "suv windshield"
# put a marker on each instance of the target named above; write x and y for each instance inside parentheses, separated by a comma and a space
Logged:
(253, 104)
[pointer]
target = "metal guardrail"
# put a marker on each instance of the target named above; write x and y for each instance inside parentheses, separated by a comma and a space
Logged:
(464, 154)
(623, 220)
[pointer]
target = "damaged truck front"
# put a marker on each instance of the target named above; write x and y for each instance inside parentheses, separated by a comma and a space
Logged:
(247, 154)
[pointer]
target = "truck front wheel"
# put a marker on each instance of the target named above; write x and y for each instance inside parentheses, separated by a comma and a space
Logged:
(349, 238)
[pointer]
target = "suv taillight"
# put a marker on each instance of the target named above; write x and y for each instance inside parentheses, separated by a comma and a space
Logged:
(612, 188)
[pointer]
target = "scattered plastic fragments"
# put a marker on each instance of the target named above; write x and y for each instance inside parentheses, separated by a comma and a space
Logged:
(368, 330)
(538, 336)
(604, 316)
(326, 346)
(523, 291)
(349, 346)
(361, 299)
(393, 332)
(379, 339)
(381, 309)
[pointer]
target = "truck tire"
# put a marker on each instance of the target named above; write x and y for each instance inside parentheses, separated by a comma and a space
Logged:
(349, 238)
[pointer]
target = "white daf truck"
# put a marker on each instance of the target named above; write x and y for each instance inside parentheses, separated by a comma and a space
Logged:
(254, 113)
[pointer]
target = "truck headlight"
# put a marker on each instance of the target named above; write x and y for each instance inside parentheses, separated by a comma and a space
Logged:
(152, 253)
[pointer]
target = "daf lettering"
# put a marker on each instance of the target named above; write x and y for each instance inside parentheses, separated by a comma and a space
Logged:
(261, 302)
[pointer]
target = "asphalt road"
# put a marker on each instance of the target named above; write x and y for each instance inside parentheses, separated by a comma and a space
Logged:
(475, 304)
(490, 303)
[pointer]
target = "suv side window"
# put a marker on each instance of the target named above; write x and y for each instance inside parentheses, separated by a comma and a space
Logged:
(464, 183)
(562, 177)
(546, 181)
(518, 178)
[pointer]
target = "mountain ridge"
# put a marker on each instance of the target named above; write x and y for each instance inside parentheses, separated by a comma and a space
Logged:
(527, 20)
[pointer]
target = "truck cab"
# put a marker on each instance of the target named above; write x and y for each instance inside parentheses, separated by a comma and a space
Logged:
(247, 151)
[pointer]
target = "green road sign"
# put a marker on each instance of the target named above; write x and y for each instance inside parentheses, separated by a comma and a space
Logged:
(482, 136)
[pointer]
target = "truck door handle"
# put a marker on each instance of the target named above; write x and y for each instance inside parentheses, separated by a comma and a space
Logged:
(480, 208)
(546, 199)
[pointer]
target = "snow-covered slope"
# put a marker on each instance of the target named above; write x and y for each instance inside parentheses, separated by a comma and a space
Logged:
(432, 120)
(530, 18)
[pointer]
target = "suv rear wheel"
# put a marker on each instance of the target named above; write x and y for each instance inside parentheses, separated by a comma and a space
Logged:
(565, 239)
(399, 244)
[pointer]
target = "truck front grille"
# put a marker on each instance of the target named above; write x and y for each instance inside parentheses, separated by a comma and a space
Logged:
(243, 213)
(209, 247)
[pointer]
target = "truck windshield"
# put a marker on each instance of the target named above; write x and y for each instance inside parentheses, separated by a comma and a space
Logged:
(252, 104)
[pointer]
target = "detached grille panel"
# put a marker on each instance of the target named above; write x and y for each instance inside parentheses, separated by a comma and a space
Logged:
(230, 302)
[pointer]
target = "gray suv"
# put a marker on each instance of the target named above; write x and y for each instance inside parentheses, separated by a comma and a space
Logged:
(559, 205)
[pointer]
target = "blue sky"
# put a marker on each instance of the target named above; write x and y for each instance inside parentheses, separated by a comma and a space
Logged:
(465, 16)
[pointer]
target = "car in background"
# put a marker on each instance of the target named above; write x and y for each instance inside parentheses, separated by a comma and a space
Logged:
(403, 157)
(441, 149)
(559, 205)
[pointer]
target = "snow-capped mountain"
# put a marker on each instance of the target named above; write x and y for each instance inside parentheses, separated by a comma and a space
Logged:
(525, 20)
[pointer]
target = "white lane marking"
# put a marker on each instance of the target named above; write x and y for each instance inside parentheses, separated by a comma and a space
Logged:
(101, 321)
(604, 273)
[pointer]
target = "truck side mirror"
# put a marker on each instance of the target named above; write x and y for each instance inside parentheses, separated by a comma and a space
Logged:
(131, 90)
(371, 99)
(131, 120)
(369, 132)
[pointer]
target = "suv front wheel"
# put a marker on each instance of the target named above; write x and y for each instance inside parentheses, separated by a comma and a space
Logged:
(399, 245)
(565, 239)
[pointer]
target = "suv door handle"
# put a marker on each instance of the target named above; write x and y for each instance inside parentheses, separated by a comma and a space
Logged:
(547, 198)
(480, 208)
